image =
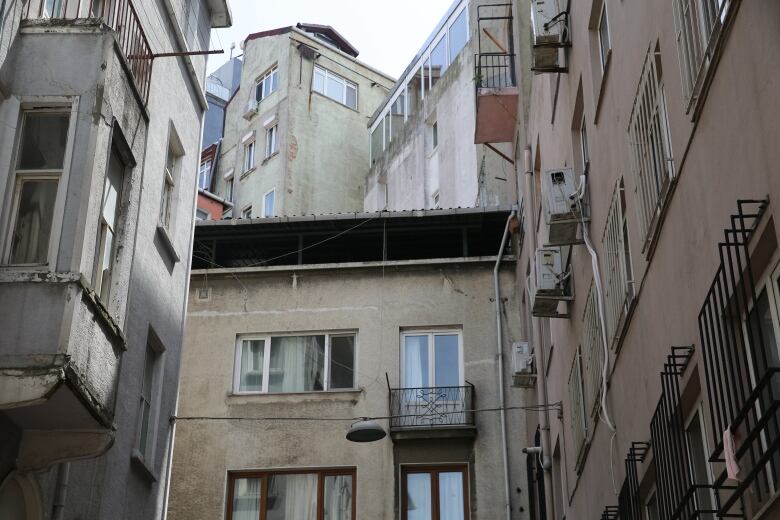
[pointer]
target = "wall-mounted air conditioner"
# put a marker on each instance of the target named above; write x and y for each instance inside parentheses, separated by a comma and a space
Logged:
(551, 284)
(565, 205)
(523, 369)
(250, 109)
(551, 36)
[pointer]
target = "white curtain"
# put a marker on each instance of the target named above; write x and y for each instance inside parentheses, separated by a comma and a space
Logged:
(297, 364)
(418, 496)
(246, 499)
(338, 497)
(451, 496)
(415, 361)
(292, 497)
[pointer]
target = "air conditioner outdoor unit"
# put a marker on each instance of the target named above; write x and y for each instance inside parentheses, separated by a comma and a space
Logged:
(250, 109)
(551, 283)
(523, 370)
(550, 36)
(565, 205)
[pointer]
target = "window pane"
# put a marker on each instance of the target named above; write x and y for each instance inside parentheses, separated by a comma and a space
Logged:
(698, 455)
(30, 244)
(292, 497)
(268, 205)
(459, 33)
(274, 79)
(319, 81)
(451, 495)
(376, 144)
(252, 353)
(342, 362)
(447, 362)
(415, 361)
(43, 141)
(246, 498)
(438, 60)
(338, 497)
(297, 364)
(604, 36)
(418, 496)
(112, 189)
(351, 97)
(334, 89)
(414, 93)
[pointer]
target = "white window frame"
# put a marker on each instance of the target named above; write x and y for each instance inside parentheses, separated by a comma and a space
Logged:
(204, 172)
(104, 292)
(266, 338)
(147, 457)
(245, 210)
(34, 104)
(272, 140)
(698, 413)
(431, 333)
(248, 163)
(265, 209)
(345, 83)
(230, 186)
(267, 84)
(604, 54)
(171, 169)
(619, 289)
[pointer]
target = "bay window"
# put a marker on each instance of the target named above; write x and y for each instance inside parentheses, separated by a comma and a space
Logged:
(304, 494)
(39, 167)
(335, 87)
(300, 363)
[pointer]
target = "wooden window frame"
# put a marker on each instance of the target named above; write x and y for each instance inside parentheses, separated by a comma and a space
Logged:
(434, 471)
(263, 475)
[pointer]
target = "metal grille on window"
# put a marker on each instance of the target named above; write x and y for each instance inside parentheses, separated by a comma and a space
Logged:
(618, 275)
(577, 410)
(593, 352)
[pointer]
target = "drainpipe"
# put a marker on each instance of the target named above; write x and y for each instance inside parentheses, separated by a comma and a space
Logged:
(500, 356)
(61, 491)
(537, 333)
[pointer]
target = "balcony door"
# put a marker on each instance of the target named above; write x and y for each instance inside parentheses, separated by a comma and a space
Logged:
(432, 377)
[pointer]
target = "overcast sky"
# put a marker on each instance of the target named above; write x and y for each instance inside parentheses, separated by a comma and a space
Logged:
(387, 33)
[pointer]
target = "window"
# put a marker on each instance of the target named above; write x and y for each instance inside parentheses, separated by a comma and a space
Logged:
(377, 145)
(592, 351)
(305, 494)
(435, 134)
(249, 156)
(271, 141)
(268, 204)
(247, 212)
(459, 34)
(201, 214)
(204, 175)
(53, 8)
(305, 363)
(148, 402)
(618, 271)
(39, 167)
(414, 93)
(335, 87)
(229, 187)
(267, 85)
(577, 417)
(584, 151)
(431, 359)
(438, 60)
(699, 467)
(605, 46)
(435, 492)
(435, 198)
(651, 508)
(109, 218)
(651, 146)
(698, 26)
(169, 185)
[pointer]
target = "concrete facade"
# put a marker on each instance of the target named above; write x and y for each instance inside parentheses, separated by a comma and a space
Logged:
(412, 169)
(219, 431)
(80, 313)
(721, 150)
(318, 163)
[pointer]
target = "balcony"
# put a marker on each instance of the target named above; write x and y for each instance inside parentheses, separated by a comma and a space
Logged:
(119, 15)
(497, 95)
(432, 412)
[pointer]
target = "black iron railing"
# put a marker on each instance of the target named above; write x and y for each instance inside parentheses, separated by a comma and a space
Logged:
(119, 15)
(494, 70)
(432, 406)
(629, 503)
(742, 381)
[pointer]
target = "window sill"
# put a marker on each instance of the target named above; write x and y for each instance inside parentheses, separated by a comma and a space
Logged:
(250, 170)
(138, 462)
(265, 161)
(165, 238)
(289, 397)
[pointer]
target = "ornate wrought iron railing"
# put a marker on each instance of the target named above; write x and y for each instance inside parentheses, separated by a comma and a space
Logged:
(432, 406)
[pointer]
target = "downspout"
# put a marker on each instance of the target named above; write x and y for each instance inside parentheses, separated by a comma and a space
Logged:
(500, 357)
(537, 333)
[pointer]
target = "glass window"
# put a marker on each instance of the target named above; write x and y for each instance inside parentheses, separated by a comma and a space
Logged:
(351, 100)
(109, 216)
(267, 85)
(447, 363)
(335, 87)
(698, 455)
(169, 187)
(44, 136)
(397, 114)
(435, 490)
(342, 362)
(376, 144)
(246, 212)
(459, 33)
(148, 402)
(451, 495)
(271, 141)
(431, 360)
(414, 93)
(435, 134)
(604, 43)
(268, 204)
(304, 495)
(297, 364)
(204, 175)
(319, 80)
(249, 156)
(416, 366)
(418, 497)
(438, 61)
(229, 189)
(251, 379)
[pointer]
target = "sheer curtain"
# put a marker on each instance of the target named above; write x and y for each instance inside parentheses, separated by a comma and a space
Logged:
(451, 495)
(418, 496)
(292, 497)
(246, 499)
(415, 361)
(338, 497)
(297, 364)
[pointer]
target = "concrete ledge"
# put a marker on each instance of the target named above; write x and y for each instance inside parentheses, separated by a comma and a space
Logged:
(433, 432)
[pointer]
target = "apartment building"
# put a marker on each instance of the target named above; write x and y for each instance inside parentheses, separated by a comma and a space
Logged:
(300, 326)
(444, 136)
(295, 130)
(99, 150)
(650, 133)
(220, 87)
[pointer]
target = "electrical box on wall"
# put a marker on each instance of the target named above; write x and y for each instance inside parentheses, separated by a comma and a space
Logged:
(551, 283)
(551, 36)
(564, 196)
(523, 369)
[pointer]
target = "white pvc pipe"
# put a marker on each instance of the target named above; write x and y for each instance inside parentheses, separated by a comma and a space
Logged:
(500, 356)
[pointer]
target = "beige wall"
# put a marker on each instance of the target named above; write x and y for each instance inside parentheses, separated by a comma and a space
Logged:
(377, 303)
(729, 153)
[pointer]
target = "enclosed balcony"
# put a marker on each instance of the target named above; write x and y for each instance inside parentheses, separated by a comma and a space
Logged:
(432, 412)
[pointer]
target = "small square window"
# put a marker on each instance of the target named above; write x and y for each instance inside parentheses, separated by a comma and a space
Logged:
(246, 212)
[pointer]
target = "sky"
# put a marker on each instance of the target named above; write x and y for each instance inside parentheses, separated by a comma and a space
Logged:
(387, 33)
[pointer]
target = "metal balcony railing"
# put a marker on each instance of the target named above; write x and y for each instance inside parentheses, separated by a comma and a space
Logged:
(432, 406)
(119, 15)
(494, 70)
